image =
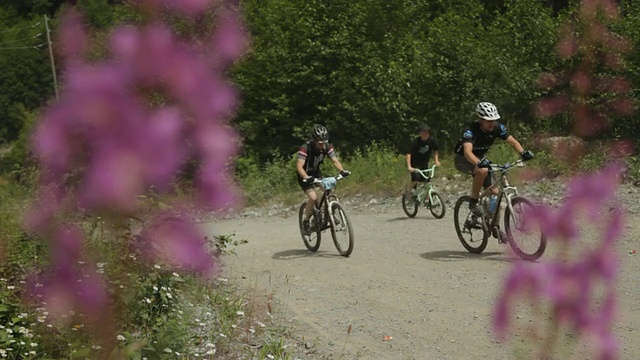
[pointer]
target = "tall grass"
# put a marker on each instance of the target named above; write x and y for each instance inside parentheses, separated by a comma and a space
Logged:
(161, 314)
(376, 169)
(380, 170)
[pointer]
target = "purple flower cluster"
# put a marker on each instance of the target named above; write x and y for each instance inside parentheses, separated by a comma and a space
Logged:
(594, 46)
(579, 287)
(582, 291)
(131, 122)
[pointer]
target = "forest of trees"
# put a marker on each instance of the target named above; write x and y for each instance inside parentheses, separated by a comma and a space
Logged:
(370, 70)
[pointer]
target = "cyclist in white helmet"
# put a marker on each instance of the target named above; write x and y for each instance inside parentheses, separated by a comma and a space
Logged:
(308, 160)
(475, 142)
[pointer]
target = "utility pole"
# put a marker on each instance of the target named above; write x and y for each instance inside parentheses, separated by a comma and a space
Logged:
(53, 64)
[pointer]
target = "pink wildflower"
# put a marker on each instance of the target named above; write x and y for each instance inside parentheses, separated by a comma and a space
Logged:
(130, 122)
(570, 287)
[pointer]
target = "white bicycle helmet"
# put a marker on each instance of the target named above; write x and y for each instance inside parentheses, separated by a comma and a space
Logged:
(319, 133)
(487, 111)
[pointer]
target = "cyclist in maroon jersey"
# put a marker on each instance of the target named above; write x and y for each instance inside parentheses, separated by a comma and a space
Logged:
(310, 155)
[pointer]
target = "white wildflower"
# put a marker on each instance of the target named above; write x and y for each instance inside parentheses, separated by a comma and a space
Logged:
(120, 338)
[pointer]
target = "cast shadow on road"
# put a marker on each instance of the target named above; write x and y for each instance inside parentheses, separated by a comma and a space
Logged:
(458, 255)
(402, 218)
(303, 253)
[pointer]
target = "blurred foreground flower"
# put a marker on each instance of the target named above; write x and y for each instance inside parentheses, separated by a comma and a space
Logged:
(156, 104)
(581, 290)
(579, 287)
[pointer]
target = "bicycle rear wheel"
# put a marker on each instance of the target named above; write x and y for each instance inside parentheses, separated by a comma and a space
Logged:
(526, 239)
(312, 238)
(341, 230)
(470, 229)
(410, 204)
(437, 207)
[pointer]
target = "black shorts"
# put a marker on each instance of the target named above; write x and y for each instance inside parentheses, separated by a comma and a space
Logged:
(304, 186)
(417, 177)
(463, 165)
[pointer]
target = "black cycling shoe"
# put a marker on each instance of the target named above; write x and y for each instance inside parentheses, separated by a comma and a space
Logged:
(306, 226)
(473, 223)
(502, 238)
(476, 209)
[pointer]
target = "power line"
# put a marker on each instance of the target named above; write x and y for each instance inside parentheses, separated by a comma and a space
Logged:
(23, 47)
(22, 28)
(21, 39)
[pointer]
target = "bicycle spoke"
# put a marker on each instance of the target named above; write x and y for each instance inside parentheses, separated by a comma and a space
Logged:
(469, 228)
(525, 238)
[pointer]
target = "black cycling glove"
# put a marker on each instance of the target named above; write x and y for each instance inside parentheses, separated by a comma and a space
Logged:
(484, 163)
(526, 155)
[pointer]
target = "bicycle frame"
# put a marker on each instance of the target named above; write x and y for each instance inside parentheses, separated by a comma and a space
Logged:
(428, 175)
(326, 200)
(505, 189)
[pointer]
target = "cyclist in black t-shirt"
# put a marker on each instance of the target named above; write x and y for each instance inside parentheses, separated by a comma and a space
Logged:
(310, 155)
(475, 142)
(419, 153)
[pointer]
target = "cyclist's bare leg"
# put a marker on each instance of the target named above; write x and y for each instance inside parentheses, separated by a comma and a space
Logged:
(312, 197)
(478, 180)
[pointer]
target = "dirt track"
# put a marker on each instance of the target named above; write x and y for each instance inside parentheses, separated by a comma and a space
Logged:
(410, 279)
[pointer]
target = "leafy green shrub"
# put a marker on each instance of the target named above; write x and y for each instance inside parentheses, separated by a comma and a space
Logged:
(262, 181)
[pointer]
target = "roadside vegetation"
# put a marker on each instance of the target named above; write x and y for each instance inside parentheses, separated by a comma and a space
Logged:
(369, 71)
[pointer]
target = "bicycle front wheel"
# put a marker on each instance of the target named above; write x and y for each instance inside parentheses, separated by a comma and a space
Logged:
(341, 230)
(526, 239)
(409, 204)
(436, 206)
(470, 229)
(311, 236)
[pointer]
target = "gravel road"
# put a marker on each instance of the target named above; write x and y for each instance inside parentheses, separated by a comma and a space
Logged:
(409, 290)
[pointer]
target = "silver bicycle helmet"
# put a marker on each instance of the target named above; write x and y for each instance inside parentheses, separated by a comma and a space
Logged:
(319, 133)
(487, 111)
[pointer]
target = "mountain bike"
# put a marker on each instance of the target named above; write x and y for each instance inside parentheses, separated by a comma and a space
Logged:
(473, 231)
(424, 194)
(327, 214)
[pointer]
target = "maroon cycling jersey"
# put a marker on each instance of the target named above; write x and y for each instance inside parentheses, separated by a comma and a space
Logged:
(313, 157)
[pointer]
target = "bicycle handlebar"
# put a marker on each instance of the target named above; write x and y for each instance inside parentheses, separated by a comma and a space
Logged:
(507, 166)
(318, 181)
(427, 174)
(328, 183)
